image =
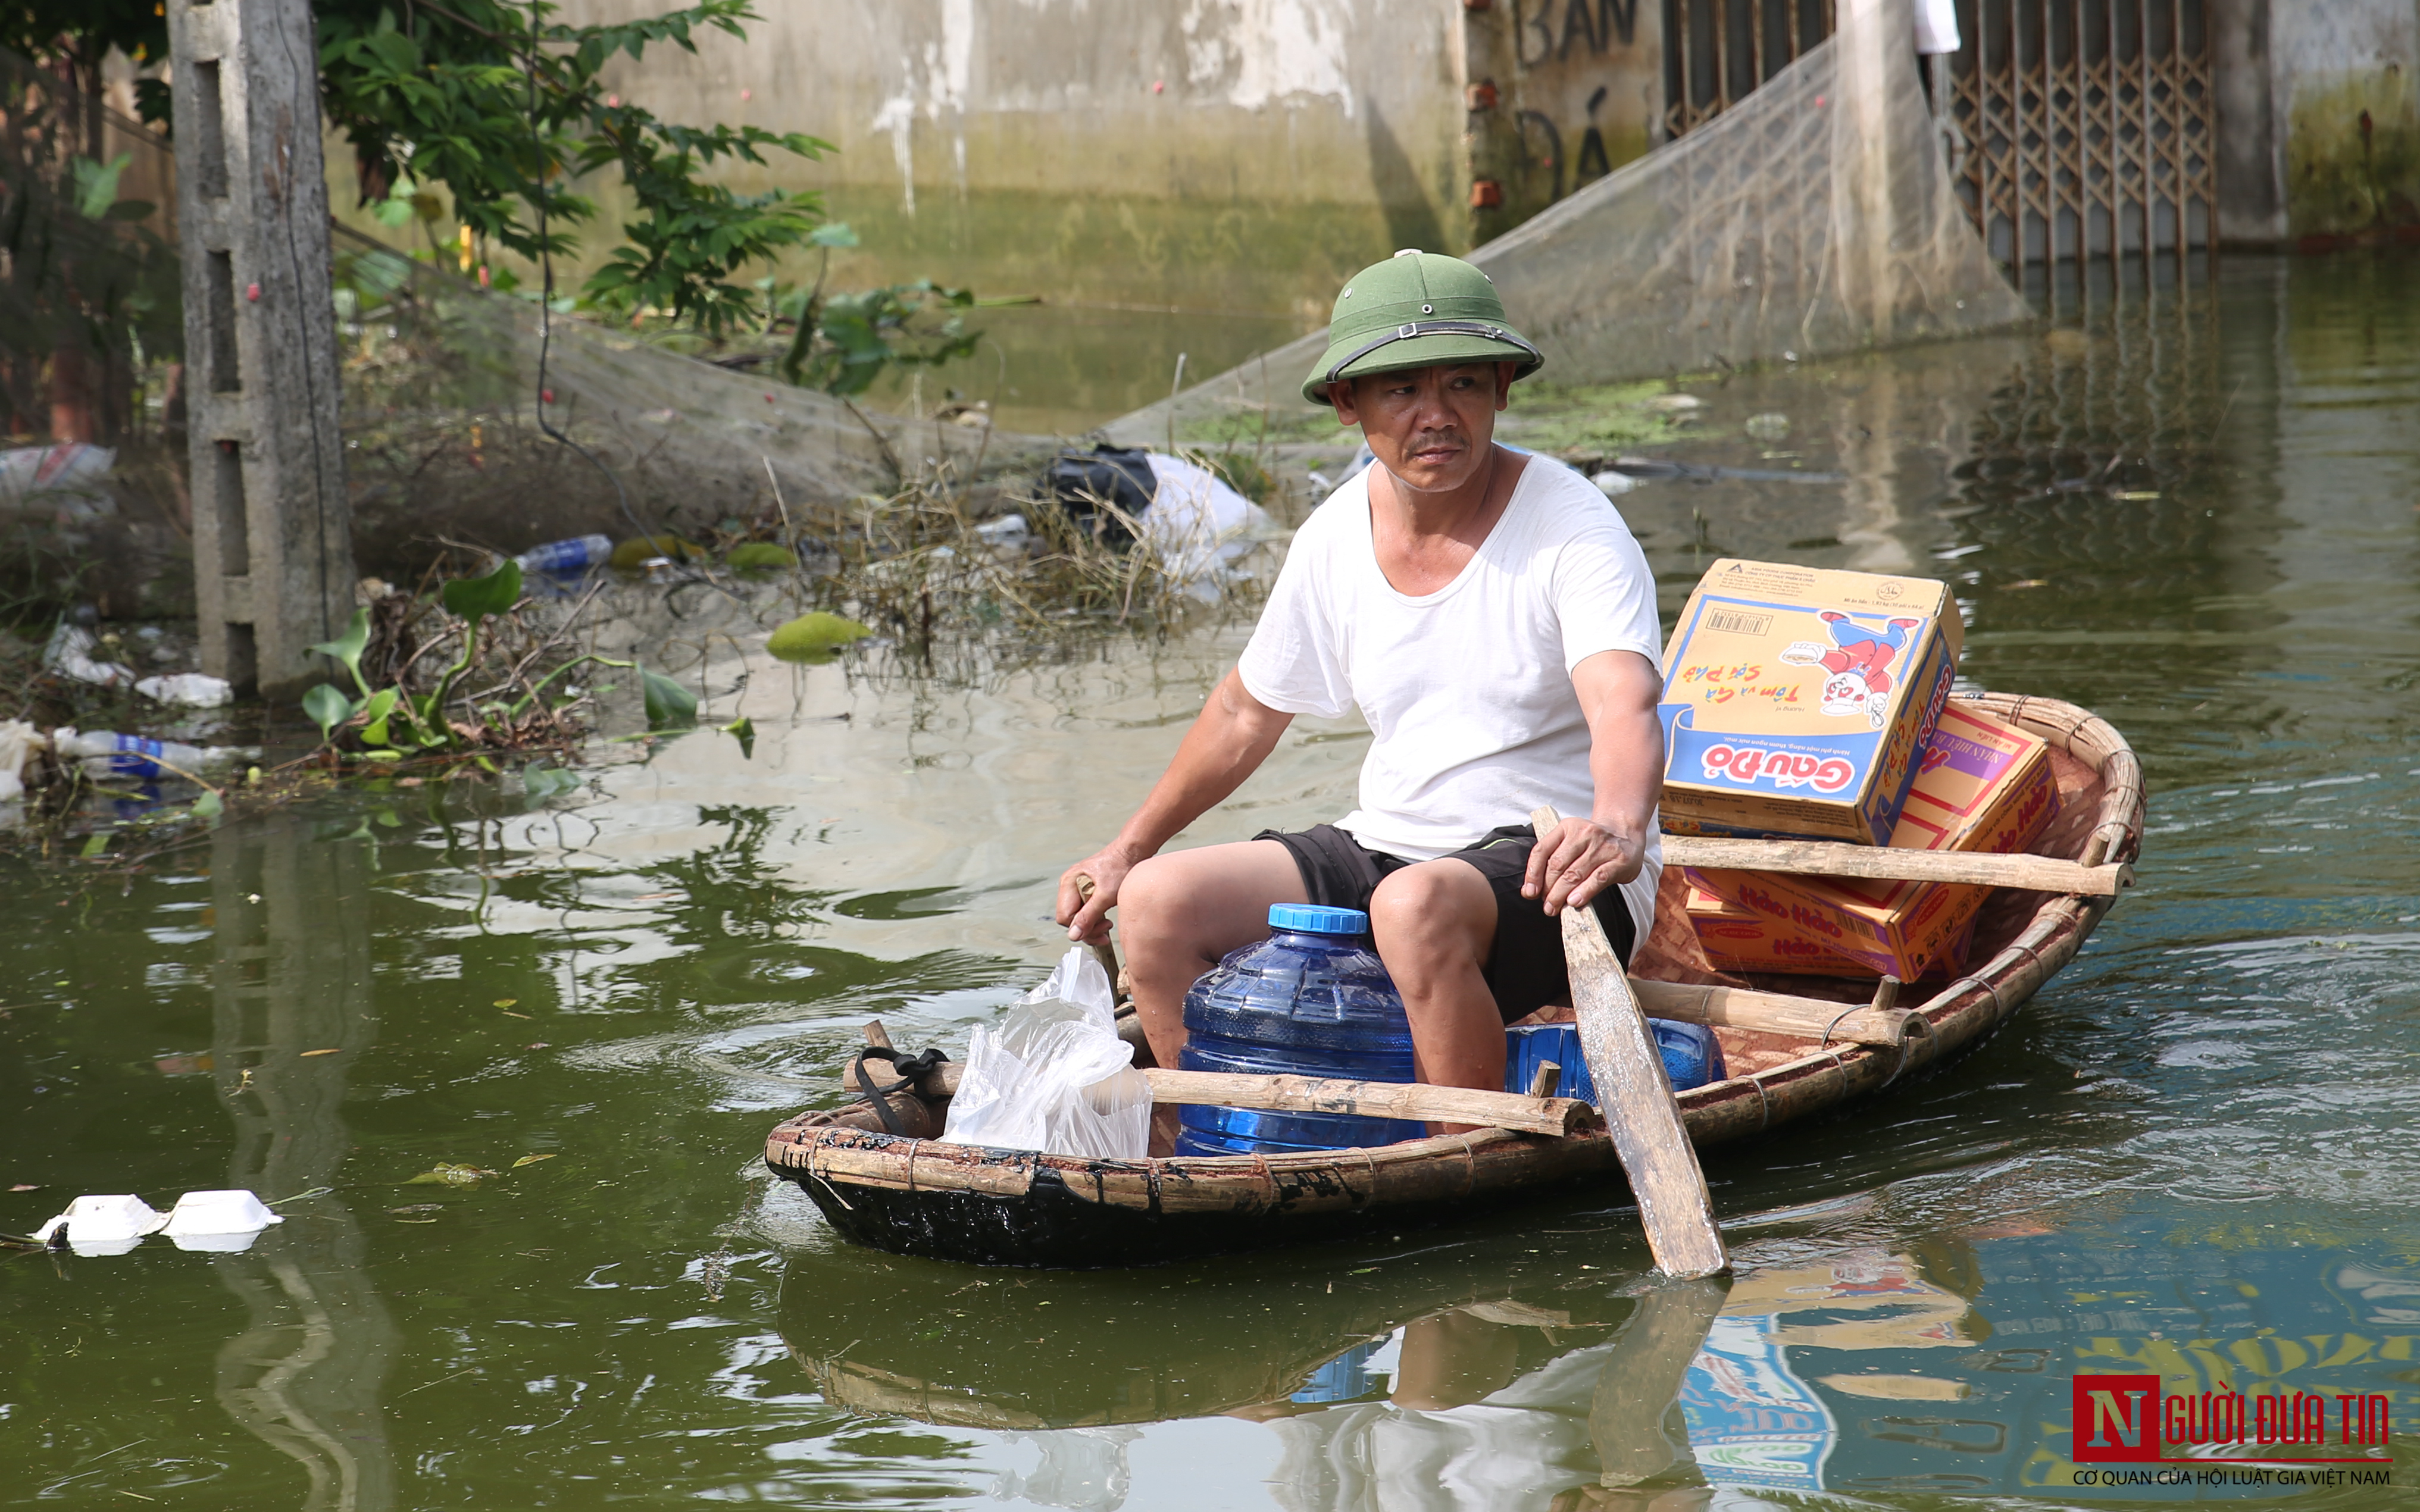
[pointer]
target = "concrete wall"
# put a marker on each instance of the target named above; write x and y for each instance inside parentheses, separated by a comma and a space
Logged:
(2319, 119)
(2346, 98)
(1237, 154)
(1579, 86)
(2251, 193)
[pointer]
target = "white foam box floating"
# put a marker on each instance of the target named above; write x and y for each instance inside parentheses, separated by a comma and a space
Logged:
(226, 1221)
(221, 1222)
(103, 1224)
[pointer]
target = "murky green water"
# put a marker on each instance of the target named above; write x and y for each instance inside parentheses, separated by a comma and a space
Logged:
(2191, 1155)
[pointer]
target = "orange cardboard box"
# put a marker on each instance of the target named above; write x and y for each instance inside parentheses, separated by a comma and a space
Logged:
(1796, 701)
(1983, 786)
(1737, 940)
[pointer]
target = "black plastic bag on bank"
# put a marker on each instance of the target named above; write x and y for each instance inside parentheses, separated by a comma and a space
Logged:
(1081, 482)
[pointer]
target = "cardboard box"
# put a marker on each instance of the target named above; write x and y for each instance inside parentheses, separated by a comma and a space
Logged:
(1795, 700)
(1983, 786)
(1734, 939)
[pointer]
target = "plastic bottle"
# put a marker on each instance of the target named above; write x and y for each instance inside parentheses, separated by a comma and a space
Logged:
(137, 756)
(1311, 1000)
(1692, 1056)
(564, 558)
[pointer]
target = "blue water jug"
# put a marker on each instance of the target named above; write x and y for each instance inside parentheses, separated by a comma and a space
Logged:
(1311, 1000)
(1343, 1378)
(1692, 1056)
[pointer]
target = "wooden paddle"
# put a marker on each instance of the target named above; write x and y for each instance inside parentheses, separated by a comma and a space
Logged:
(1635, 1097)
(1104, 950)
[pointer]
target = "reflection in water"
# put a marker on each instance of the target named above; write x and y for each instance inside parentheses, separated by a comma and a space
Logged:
(1940, 1371)
(291, 999)
(1081, 1469)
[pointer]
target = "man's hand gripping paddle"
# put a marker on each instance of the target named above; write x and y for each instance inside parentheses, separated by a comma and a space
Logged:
(1635, 1097)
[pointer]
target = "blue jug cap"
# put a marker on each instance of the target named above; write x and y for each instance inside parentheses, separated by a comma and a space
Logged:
(1313, 919)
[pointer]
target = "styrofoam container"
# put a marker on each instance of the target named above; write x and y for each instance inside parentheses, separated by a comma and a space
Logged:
(105, 1225)
(219, 1221)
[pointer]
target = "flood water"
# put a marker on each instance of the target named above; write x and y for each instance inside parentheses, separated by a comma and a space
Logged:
(2191, 1156)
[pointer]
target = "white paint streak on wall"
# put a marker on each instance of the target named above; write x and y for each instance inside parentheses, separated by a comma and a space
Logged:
(1254, 52)
(899, 116)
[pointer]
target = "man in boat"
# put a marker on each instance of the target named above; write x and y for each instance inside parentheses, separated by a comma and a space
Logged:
(1494, 621)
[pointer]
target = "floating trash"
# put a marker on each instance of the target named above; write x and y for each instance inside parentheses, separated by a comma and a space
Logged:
(103, 1224)
(224, 1222)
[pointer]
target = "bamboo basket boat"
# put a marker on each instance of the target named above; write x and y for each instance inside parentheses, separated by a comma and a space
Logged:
(915, 1194)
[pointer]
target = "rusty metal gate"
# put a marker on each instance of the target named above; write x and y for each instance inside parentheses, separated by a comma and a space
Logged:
(1716, 50)
(2085, 127)
(2074, 127)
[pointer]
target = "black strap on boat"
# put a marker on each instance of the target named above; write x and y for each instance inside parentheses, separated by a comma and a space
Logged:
(911, 1070)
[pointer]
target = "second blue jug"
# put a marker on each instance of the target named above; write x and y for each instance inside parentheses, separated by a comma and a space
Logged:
(1311, 1000)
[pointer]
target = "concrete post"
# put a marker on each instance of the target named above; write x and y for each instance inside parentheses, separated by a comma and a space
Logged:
(272, 529)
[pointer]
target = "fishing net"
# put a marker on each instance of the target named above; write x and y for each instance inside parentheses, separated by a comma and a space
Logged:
(1814, 217)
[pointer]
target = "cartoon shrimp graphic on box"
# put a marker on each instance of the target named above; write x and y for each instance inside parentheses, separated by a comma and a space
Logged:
(1861, 662)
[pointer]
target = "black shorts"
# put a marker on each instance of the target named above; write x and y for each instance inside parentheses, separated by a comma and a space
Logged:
(1525, 967)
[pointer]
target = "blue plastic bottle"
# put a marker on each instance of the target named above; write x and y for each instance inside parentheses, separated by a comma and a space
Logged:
(1692, 1056)
(566, 559)
(1311, 1000)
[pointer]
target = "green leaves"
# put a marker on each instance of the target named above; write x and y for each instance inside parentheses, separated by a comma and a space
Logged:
(328, 709)
(476, 598)
(95, 186)
(506, 107)
(347, 647)
(542, 783)
(855, 336)
(670, 706)
(448, 1173)
(744, 731)
(375, 711)
(814, 637)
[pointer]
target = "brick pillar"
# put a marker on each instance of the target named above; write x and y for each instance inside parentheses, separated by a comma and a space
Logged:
(272, 530)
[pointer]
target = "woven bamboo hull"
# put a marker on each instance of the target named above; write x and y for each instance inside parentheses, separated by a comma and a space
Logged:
(928, 1197)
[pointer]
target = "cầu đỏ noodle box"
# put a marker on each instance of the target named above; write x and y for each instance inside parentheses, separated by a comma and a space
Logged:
(1795, 700)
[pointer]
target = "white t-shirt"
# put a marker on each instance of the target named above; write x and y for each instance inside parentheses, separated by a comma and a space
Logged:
(1467, 691)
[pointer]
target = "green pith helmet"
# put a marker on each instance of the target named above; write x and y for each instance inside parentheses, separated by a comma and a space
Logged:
(1417, 309)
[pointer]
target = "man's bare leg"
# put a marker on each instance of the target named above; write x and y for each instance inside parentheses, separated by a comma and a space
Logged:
(1434, 923)
(1181, 911)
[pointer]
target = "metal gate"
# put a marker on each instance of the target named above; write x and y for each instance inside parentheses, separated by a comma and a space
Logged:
(2085, 127)
(1718, 50)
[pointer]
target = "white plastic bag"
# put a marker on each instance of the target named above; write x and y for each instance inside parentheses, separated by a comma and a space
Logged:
(18, 743)
(194, 690)
(1196, 523)
(1055, 1077)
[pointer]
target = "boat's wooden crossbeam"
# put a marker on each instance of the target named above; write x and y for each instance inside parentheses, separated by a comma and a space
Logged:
(1886, 863)
(1413, 1101)
(1734, 1008)
(1800, 1018)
